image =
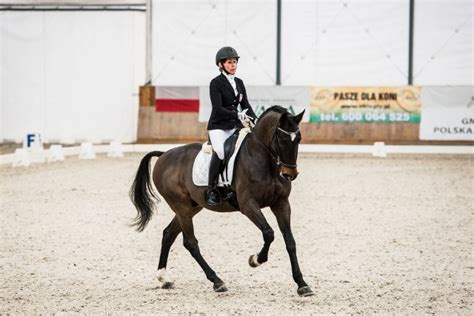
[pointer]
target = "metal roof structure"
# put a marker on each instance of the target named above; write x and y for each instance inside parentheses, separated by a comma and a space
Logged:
(73, 5)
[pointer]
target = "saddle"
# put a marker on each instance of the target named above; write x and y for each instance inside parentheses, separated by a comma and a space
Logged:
(203, 159)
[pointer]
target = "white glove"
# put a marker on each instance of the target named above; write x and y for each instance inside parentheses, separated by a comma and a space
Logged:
(242, 116)
(246, 120)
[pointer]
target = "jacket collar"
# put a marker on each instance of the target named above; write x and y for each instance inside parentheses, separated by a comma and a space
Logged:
(223, 77)
(229, 76)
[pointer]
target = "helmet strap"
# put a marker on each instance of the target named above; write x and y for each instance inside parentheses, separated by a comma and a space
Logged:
(222, 68)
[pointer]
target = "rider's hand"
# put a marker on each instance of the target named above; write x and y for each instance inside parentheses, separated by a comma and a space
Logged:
(242, 116)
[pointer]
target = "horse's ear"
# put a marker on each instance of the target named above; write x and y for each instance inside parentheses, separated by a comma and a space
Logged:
(299, 117)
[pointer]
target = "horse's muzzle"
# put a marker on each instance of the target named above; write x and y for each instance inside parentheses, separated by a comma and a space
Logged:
(289, 173)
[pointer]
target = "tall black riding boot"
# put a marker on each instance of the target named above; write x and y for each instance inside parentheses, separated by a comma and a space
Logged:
(213, 197)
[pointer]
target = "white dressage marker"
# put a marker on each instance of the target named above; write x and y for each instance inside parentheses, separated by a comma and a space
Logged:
(55, 153)
(37, 155)
(115, 150)
(87, 151)
(33, 143)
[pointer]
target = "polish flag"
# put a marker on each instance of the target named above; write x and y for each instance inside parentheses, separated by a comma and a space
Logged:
(177, 99)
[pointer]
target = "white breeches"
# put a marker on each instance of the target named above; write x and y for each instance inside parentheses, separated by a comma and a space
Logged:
(218, 137)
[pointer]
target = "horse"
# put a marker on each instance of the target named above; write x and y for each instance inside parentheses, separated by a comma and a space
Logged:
(264, 169)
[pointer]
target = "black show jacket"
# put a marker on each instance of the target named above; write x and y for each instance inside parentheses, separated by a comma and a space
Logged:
(225, 102)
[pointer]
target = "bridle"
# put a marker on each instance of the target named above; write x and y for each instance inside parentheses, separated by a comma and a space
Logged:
(276, 156)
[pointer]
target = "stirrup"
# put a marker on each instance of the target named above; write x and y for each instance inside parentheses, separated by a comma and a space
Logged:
(213, 197)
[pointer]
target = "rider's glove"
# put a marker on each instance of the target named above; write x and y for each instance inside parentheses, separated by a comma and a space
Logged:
(242, 116)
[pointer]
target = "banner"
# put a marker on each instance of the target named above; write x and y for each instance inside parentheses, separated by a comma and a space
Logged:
(177, 99)
(448, 113)
(365, 104)
(295, 99)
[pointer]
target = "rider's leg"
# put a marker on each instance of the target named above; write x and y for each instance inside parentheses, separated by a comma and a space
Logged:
(213, 197)
(217, 138)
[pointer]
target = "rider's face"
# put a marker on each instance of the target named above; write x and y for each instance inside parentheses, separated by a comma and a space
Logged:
(230, 65)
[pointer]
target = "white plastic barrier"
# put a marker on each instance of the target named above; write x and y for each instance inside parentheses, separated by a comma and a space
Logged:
(87, 151)
(304, 148)
(115, 150)
(55, 153)
(378, 150)
(21, 157)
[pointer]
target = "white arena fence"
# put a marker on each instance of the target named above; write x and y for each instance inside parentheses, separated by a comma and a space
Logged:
(23, 157)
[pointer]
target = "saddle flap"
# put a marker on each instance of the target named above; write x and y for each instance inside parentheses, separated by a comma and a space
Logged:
(203, 159)
(229, 146)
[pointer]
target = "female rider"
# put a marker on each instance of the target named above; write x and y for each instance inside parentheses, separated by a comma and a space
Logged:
(227, 93)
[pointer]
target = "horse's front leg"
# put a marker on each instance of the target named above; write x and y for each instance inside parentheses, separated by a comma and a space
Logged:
(283, 215)
(253, 212)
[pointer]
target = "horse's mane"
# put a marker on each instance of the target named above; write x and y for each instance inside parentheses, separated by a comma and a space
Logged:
(266, 123)
(274, 108)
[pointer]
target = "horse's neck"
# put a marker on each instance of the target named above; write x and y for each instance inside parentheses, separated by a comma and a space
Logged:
(258, 150)
(265, 129)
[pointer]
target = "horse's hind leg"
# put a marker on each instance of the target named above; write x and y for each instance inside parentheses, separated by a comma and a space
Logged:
(191, 243)
(169, 236)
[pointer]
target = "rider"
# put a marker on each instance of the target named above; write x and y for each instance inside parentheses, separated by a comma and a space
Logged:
(227, 93)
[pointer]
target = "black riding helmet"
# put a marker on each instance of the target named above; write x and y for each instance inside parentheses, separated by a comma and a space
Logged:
(225, 53)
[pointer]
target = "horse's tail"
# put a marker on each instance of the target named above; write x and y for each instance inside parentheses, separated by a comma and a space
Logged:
(142, 194)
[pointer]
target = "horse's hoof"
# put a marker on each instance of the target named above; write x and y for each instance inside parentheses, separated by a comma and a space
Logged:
(253, 262)
(305, 291)
(168, 285)
(220, 287)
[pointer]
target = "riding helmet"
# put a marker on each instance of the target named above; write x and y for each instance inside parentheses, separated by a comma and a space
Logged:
(225, 53)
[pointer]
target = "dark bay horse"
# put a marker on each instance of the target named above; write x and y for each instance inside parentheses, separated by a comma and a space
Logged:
(264, 169)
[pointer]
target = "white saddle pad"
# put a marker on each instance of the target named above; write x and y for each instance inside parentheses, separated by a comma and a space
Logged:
(203, 159)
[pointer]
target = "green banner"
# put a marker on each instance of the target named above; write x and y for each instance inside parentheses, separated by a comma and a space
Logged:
(365, 104)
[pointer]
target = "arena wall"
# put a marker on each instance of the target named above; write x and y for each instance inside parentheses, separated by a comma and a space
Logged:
(184, 127)
(179, 114)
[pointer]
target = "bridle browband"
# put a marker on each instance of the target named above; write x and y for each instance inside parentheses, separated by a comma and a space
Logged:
(291, 134)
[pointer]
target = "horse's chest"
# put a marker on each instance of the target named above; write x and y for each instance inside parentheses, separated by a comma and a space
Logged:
(268, 194)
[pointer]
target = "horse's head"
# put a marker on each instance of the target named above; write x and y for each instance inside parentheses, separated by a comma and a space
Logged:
(280, 132)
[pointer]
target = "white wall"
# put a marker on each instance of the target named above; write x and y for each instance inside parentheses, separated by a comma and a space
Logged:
(187, 35)
(444, 42)
(71, 75)
(324, 42)
(348, 42)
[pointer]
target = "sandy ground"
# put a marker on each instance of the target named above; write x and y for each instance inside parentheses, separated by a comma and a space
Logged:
(373, 235)
(8, 148)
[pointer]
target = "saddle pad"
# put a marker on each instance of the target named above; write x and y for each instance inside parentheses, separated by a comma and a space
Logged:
(203, 159)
